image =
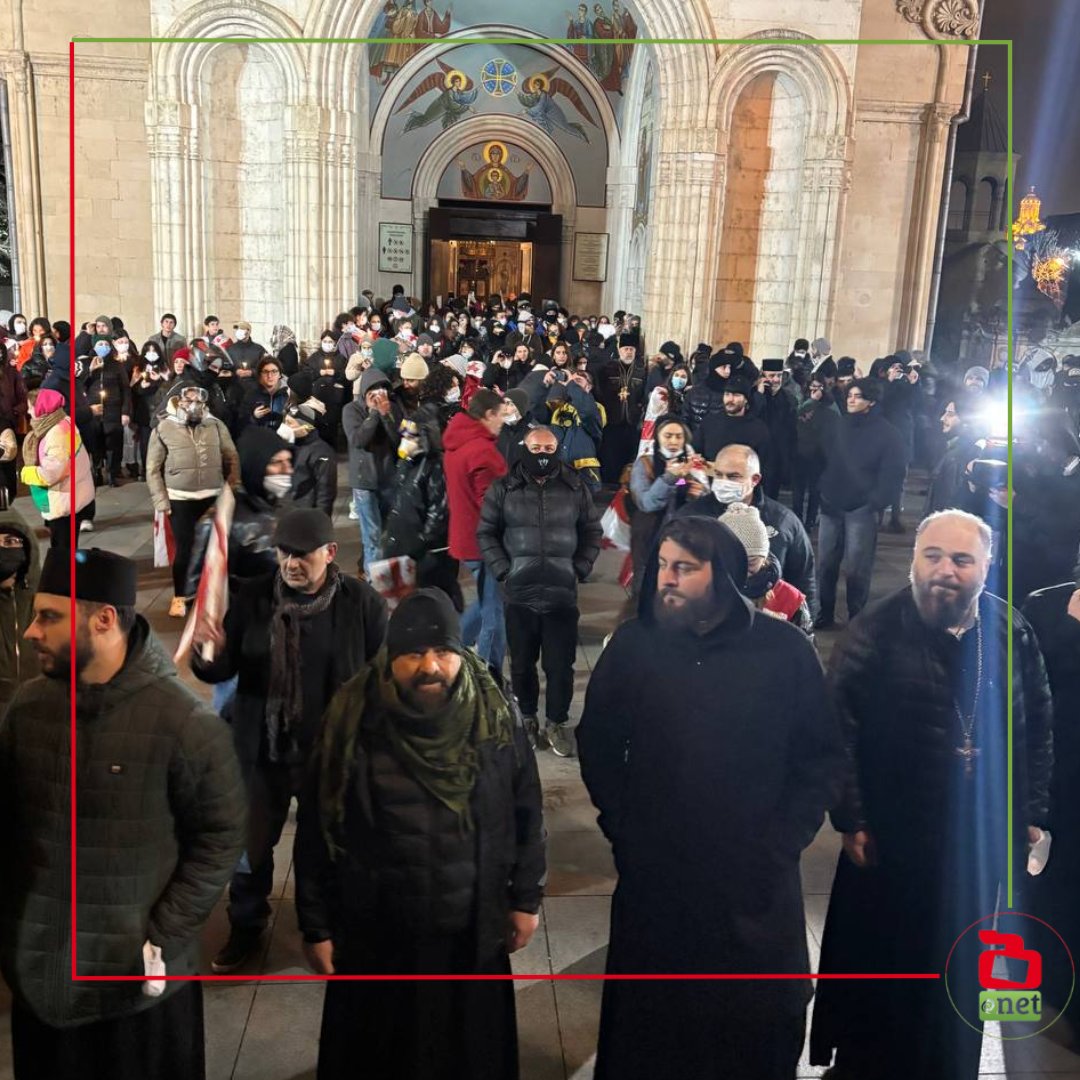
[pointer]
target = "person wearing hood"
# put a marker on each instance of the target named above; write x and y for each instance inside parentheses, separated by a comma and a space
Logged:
(59, 379)
(822, 358)
(799, 363)
(417, 519)
(204, 360)
(20, 569)
(314, 477)
(268, 399)
(706, 399)
(472, 463)
(620, 388)
(190, 458)
(663, 364)
(48, 469)
(156, 838)
(371, 423)
(507, 368)
(976, 380)
(707, 807)
(516, 424)
(284, 349)
(540, 535)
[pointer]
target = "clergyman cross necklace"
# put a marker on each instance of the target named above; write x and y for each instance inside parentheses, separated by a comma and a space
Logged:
(968, 750)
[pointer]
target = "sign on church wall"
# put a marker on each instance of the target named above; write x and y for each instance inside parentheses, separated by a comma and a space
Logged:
(590, 256)
(395, 248)
(495, 171)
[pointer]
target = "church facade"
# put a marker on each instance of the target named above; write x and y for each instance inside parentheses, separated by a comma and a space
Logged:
(758, 190)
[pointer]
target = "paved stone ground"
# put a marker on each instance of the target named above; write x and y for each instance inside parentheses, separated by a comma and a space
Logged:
(270, 1031)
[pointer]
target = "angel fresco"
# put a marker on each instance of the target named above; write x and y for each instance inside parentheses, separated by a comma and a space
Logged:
(494, 180)
(456, 99)
(538, 94)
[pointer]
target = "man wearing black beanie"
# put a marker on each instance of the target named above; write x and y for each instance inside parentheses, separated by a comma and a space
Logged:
(420, 850)
(160, 823)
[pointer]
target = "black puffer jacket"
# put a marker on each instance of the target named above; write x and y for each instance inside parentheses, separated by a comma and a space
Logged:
(160, 825)
(539, 540)
(418, 516)
(420, 870)
(112, 381)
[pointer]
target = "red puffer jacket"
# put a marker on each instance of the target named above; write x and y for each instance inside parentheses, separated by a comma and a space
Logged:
(471, 462)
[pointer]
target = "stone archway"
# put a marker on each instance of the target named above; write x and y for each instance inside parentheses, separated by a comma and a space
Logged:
(447, 146)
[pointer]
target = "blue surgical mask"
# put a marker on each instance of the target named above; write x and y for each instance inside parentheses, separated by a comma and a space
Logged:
(102, 349)
(678, 383)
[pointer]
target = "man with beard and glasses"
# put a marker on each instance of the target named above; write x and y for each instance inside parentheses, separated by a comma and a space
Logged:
(711, 774)
(920, 683)
(291, 637)
(420, 851)
(160, 821)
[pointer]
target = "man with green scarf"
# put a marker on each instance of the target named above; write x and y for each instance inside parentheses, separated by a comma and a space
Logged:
(420, 850)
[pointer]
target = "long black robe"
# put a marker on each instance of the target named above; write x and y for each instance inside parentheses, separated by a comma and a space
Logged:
(940, 833)
(711, 773)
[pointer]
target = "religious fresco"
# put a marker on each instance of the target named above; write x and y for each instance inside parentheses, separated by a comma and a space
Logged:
(496, 171)
(507, 80)
(608, 62)
(646, 135)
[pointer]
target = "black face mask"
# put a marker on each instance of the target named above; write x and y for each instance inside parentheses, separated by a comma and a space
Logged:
(540, 464)
(757, 585)
(11, 562)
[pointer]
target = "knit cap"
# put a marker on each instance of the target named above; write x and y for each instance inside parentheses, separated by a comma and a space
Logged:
(745, 522)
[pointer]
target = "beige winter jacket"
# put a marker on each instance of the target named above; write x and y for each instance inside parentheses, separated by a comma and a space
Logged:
(184, 457)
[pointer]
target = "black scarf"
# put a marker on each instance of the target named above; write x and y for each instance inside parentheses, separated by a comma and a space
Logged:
(284, 699)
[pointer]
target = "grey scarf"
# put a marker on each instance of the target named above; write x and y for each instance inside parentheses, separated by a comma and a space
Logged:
(284, 699)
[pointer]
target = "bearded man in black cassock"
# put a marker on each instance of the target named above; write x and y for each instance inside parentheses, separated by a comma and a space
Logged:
(711, 775)
(920, 681)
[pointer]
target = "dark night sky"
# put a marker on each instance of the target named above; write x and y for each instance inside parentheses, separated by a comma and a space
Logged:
(1046, 92)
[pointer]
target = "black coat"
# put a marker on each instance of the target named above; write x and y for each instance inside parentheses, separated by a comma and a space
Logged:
(358, 618)
(612, 377)
(392, 877)
(418, 515)
(711, 775)
(721, 430)
(314, 475)
(892, 681)
(864, 464)
(111, 379)
(539, 540)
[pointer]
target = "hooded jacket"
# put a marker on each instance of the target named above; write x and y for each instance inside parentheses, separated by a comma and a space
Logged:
(539, 540)
(18, 661)
(255, 514)
(161, 817)
(49, 478)
(189, 457)
(372, 438)
(472, 462)
(680, 791)
(314, 474)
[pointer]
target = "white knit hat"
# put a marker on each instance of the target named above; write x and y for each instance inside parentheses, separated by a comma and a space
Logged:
(745, 522)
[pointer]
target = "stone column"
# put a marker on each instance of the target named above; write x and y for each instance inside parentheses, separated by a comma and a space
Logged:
(421, 206)
(915, 290)
(566, 266)
(685, 223)
(366, 182)
(826, 181)
(26, 184)
(621, 188)
(306, 211)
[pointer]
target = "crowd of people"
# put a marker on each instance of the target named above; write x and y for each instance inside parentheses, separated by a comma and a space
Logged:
(518, 439)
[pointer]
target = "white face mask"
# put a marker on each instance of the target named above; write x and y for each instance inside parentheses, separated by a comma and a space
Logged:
(376, 327)
(728, 491)
(453, 395)
(278, 485)
(285, 432)
(511, 416)
(349, 328)
(122, 347)
(239, 334)
(671, 454)
(20, 327)
(151, 355)
(328, 346)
